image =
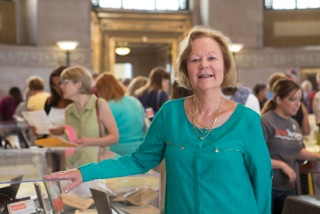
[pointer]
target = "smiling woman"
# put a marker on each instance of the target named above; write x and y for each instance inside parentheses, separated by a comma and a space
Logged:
(205, 139)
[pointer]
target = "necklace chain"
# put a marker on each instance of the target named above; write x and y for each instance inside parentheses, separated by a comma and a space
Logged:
(202, 133)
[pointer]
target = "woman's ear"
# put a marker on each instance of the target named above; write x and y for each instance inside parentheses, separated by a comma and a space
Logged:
(278, 100)
(78, 85)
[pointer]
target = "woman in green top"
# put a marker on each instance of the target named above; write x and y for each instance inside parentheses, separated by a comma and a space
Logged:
(86, 114)
(216, 158)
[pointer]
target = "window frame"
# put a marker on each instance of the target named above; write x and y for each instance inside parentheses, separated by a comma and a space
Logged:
(296, 3)
(96, 4)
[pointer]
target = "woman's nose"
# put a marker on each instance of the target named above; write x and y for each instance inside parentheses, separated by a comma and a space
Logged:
(203, 64)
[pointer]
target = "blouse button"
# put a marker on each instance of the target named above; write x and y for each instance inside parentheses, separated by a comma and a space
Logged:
(182, 147)
(217, 150)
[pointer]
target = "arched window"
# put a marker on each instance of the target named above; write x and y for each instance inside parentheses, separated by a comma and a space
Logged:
(291, 4)
(142, 4)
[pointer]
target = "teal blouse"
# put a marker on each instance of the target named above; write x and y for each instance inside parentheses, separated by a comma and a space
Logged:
(129, 116)
(228, 172)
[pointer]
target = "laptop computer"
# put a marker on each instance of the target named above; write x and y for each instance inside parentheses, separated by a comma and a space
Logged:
(12, 190)
(102, 202)
(9, 193)
(41, 201)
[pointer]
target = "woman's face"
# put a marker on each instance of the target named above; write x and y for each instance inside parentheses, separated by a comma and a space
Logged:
(69, 88)
(56, 85)
(205, 64)
(165, 85)
(290, 105)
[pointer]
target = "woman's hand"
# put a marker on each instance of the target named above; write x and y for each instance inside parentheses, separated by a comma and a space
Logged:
(73, 175)
(33, 129)
(85, 141)
(57, 131)
(289, 172)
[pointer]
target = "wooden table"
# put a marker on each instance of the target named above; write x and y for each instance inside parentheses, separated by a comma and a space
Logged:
(302, 204)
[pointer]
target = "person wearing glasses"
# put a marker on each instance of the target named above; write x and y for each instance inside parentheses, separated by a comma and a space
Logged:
(90, 117)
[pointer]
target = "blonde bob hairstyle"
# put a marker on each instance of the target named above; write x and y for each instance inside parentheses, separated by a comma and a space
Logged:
(78, 74)
(185, 48)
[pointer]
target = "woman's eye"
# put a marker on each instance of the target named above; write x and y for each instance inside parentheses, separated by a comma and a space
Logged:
(194, 60)
(293, 99)
(212, 58)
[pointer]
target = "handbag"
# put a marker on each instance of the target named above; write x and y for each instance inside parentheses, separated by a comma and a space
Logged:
(102, 149)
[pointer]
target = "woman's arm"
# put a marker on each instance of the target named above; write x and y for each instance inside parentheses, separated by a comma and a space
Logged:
(278, 164)
(305, 129)
(108, 121)
(258, 164)
(307, 155)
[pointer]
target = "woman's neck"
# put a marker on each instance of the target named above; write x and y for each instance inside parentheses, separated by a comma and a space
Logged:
(81, 101)
(62, 103)
(207, 103)
(279, 112)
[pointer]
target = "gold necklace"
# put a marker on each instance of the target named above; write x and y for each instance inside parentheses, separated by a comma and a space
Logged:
(202, 133)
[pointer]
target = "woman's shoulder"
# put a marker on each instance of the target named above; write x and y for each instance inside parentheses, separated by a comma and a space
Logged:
(239, 112)
(246, 111)
(173, 105)
(174, 102)
(70, 107)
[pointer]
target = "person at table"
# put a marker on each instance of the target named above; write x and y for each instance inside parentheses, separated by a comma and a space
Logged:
(154, 93)
(37, 96)
(284, 139)
(55, 104)
(135, 84)
(8, 104)
(127, 111)
(216, 156)
(90, 117)
(56, 100)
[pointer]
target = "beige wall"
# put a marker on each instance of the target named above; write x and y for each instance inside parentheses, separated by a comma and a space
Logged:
(40, 23)
(292, 28)
(7, 22)
(64, 20)
(239, 20)
(246, 22)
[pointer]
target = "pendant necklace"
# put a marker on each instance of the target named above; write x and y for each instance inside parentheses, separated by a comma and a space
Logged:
(202, 133)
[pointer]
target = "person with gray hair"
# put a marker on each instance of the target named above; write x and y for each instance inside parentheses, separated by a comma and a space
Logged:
(214, 148)
(307, 94)
(90, 117)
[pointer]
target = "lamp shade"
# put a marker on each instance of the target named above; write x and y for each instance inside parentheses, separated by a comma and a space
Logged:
(67, 45)
(235, 47)
(122, 50)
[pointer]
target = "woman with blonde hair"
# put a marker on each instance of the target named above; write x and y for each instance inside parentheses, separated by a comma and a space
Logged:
(214, 148)
(38, 96)
(90, 117)
(127, 110)
(135, 84)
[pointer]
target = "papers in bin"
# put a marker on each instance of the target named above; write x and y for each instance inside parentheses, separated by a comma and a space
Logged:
(54, 142)
(59, 141)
